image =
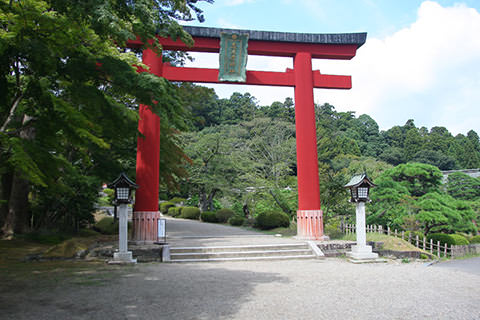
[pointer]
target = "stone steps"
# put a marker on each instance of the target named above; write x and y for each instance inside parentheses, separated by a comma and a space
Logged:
(242, 253)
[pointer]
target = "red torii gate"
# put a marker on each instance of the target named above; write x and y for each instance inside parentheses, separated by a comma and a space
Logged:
(302, 48)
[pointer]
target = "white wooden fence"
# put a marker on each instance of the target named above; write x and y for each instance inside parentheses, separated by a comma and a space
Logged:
(435, 248)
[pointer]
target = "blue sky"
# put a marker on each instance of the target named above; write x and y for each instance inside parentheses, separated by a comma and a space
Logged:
(421, 60)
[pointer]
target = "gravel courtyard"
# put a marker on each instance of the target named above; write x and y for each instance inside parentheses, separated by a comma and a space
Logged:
(309, 289)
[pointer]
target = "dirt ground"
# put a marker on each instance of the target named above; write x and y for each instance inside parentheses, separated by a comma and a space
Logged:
(309, 289)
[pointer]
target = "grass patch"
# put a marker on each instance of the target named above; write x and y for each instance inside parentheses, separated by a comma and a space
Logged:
(389, 242)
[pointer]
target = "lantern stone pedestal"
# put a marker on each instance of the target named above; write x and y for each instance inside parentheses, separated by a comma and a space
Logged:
(123, 256)
(361, 251)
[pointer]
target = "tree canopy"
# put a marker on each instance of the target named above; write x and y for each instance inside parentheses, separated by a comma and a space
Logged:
(69, 93)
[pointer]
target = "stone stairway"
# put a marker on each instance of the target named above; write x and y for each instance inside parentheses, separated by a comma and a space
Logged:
(244, 253)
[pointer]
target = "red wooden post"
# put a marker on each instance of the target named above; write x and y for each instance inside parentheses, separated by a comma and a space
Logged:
(148, 159)
(309, 215)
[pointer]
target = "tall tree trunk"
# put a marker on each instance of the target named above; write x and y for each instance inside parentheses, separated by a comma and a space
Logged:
(17, 219)
(202, 199)
(210, 199)
(5, 184)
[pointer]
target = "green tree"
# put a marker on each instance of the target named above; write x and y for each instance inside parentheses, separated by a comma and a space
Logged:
(441, 213)
(435, 158)
(64, 72)
(462, 186)
(216, 163)
(418, 178)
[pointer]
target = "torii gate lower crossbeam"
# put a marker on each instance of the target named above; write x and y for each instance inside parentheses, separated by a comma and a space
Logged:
(302, 48)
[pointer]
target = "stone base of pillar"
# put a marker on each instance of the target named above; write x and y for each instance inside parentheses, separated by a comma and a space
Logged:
(310, 225)
(362, 253)
(145, 227)
(123, 258)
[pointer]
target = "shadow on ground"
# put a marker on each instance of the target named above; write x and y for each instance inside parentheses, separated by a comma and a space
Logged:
(147, 291)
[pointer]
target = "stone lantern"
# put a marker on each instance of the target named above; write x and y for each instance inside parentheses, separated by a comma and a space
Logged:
(359, 187)
(123, 187)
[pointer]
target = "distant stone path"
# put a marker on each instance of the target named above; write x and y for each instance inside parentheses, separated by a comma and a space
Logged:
(471, 265)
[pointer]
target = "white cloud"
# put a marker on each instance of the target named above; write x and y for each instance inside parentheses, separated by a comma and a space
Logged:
(429, 72)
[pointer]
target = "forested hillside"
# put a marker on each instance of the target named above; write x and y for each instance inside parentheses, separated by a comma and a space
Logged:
(243, 156)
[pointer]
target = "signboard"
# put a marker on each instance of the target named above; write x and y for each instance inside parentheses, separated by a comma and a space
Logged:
(233, 57)
(162, 230)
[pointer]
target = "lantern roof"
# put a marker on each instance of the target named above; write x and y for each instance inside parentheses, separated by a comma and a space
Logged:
(358, 180)
(123, 181)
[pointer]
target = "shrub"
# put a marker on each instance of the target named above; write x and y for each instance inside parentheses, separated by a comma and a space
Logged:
(174, 211)
(450, 239)
(414, 234)
(87, 233)
(192, 213)
(332, 229)
(459, 240)
(209, 216)
(164, 206)
(224, 214)
(475, 239)
(236, 220)
(177, 200)
(106, 226)
(272, 219)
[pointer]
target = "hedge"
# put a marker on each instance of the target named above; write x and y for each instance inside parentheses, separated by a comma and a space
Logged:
(224, 214)
(177, 200)
(174, 211)
(272, 219)
(164, 206)
(475, 239)
(208, 216)
(192, 213)
(236, 220)
(450, 239)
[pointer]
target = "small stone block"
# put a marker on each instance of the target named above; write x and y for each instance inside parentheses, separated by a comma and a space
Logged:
(123, 258)
(361, 261)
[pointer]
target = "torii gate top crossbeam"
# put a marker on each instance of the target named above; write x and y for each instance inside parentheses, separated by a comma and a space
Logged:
(286, 44)
(267, 43)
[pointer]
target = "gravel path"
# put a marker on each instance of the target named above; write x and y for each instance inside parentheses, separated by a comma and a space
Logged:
(309, 289)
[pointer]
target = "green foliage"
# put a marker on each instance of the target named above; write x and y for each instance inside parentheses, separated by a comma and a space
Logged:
(177, 200)
(332, 228)
(462, 186)
(165, 206)
(87, 233)
(192, 213)
(106, 226)
(66, 86)
(450, 239)
(475, 239)
(418, 178)
(459, 240)
(174, 211)
(68, 205)
(224, 214)
(236, 220)
(272, 219)
(50, 237)
(208, 216)
(440, 212)
(413, 235)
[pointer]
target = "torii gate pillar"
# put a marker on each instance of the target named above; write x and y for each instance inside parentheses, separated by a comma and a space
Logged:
(145, 215)
(309, 214)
